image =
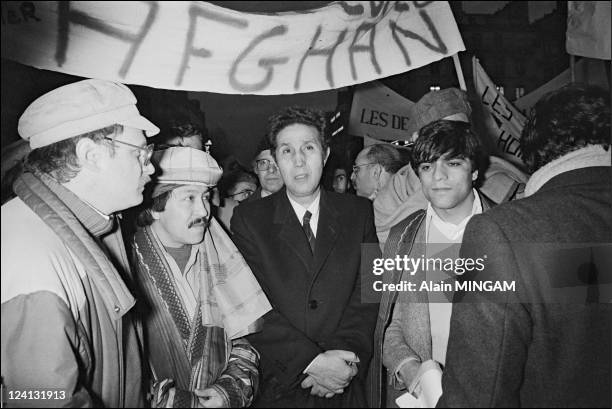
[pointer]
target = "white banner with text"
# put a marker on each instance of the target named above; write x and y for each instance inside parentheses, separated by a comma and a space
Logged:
(198, 46)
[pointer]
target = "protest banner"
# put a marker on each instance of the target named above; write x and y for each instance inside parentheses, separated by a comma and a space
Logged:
(588, 29)
(380, 113)
(503, 121)
(198, 46)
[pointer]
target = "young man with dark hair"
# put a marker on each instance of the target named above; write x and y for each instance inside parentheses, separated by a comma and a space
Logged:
(304, 246)
(548, 342)
(199, 298)
(447, 158)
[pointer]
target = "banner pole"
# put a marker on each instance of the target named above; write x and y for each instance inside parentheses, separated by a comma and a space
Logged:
(459, 72)
(572, 68)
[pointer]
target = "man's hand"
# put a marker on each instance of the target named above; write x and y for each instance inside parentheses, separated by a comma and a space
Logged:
(319, 390)
(209, 398)
(331, 369)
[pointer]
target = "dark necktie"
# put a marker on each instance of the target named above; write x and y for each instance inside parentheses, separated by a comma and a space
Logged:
(309, 234)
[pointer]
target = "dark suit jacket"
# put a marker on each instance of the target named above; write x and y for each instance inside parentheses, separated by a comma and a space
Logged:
(549, 342)
(316, 300)
(255, 196)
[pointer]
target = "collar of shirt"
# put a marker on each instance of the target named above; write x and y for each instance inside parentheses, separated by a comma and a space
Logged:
(450, 230)
(300, 211)
(105, 216)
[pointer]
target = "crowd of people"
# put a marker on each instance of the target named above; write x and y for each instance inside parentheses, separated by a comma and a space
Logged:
(138, 274)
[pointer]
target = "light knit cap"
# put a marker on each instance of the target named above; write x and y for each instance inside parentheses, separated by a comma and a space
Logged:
(182, 165)
(78, 108)
(437, 105)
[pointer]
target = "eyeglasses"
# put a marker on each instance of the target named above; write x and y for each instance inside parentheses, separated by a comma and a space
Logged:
(247, 193)
(263, 165)
(356, 167)
(145, 153)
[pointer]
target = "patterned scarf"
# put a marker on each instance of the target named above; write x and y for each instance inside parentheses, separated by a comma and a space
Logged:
(231, 297)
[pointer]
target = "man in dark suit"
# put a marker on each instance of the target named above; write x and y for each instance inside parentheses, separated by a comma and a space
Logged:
(304, 246)
(547, 342)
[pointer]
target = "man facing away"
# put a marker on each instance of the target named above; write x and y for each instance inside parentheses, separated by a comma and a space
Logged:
(374, 168)
(200, 297)
(547, 343)
(65, 321)
(303, 245)
(447, 158)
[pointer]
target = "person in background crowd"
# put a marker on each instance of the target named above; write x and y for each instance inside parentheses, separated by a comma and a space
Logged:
(266, 169)
(200, 297)
(374, 167)
(336, 175)
(341, 181)
(66, 312)
(304, 246)
(181, 134)
(240, 186)
(548, 342)
(236, 187)
(13, 157)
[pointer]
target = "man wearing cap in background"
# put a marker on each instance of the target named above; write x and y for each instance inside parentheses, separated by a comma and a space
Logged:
(65, 321)
(200, 298)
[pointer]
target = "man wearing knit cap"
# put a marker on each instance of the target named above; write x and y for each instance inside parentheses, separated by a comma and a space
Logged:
(66, 311)
(200, 298)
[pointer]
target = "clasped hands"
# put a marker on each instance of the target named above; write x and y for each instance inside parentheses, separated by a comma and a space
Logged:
(330, 372)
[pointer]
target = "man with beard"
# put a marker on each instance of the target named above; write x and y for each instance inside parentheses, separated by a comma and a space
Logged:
(200, 297)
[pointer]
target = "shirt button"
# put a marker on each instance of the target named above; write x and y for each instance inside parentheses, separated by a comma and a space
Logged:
(117, 309)
(313, 304)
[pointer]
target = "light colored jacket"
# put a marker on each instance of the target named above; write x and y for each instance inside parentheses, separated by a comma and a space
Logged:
(63, 327)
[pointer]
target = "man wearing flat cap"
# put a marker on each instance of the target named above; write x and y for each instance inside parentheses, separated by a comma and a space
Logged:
(199, 296)
(66, 326)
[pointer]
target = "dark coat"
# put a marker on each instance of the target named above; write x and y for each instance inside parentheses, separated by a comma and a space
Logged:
(255, 196)
(316, 299)
(548, 343)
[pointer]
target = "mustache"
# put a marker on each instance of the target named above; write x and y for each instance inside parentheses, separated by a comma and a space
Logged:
(197, 222)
